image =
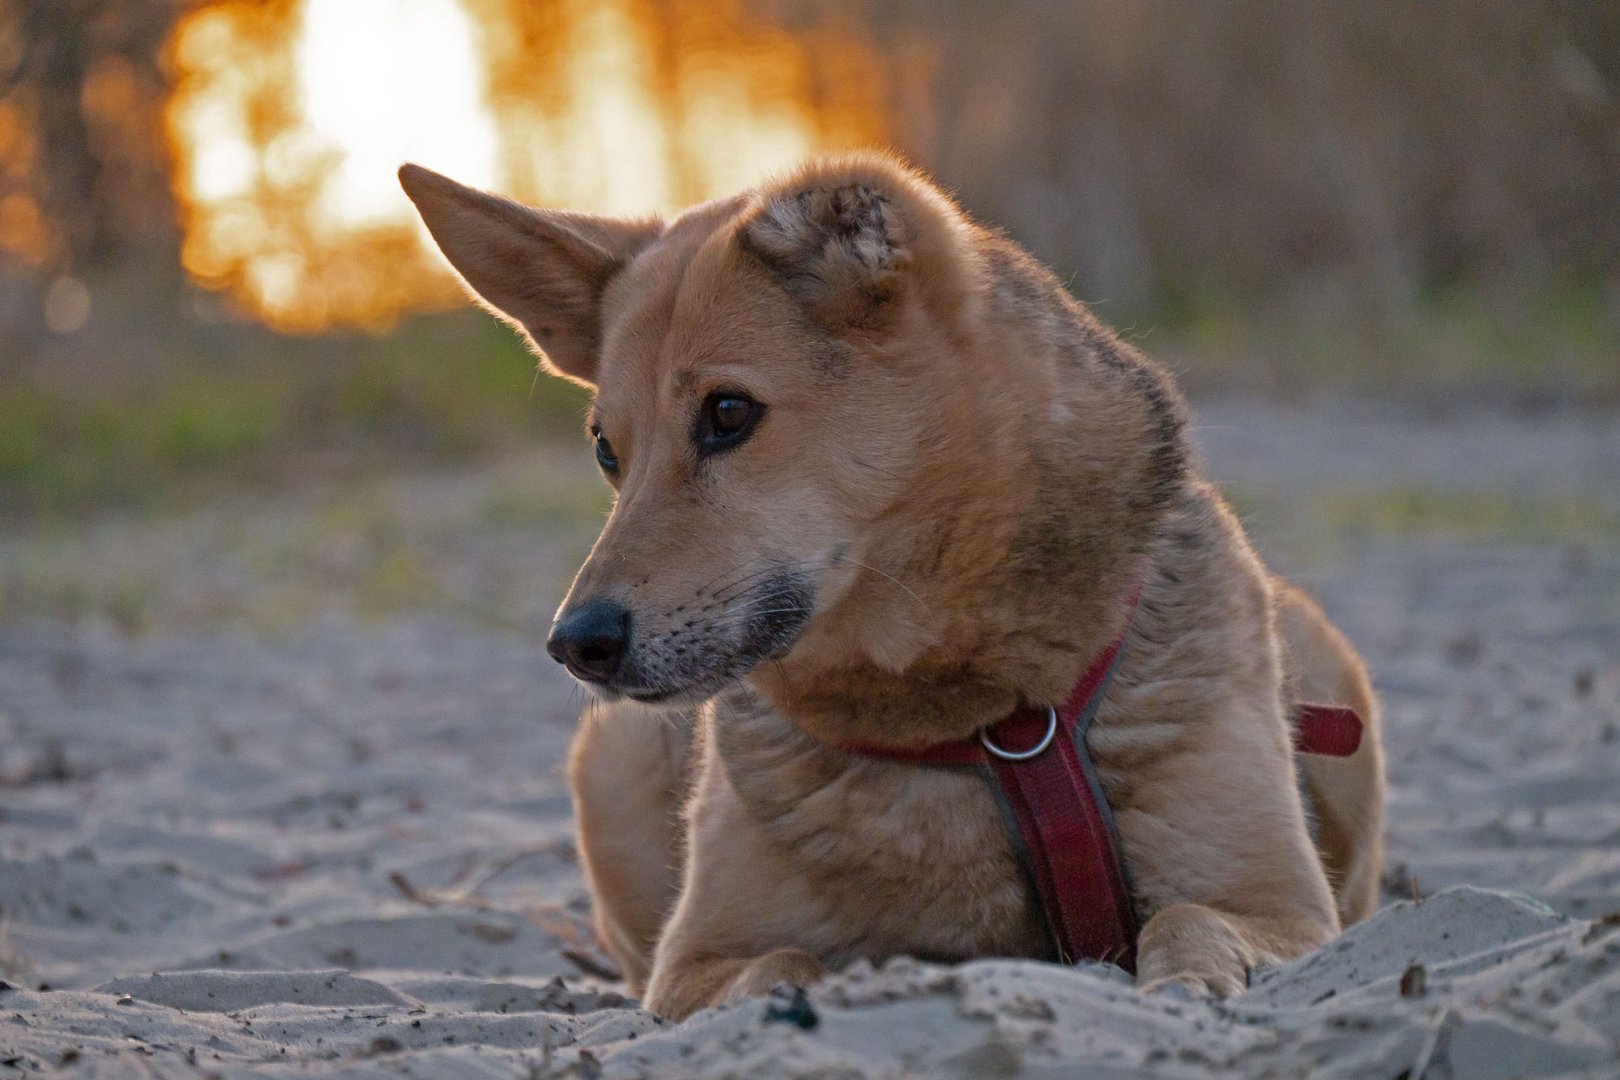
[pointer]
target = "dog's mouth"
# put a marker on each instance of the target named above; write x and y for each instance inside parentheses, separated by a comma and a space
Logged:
(657, 697)
(685, 661)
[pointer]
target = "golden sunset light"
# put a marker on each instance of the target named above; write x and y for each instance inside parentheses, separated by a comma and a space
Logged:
(418, 92)
(289, 119)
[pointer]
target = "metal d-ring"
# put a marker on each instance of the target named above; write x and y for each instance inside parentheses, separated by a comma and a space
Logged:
(1023, 755)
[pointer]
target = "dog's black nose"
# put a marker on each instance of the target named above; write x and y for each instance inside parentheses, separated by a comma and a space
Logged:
(591, 640)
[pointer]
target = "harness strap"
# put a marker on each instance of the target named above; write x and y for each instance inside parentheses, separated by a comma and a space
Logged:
(1061, 814)
(1056, 812)
(1058, 816)
(1331, 730)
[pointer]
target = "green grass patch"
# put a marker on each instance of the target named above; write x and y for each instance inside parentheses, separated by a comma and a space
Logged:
(1479, 515)
(273, 410)
(238, 406)
(1316, 525)
(399, 580)
(1562, 346)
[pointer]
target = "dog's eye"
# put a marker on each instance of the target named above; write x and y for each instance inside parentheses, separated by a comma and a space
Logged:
(726, 420)
(605, 456)
(729, 415)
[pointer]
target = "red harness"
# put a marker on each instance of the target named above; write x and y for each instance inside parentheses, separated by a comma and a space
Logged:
(1057, 816)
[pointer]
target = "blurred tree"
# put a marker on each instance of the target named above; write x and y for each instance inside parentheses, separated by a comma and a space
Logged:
(1317, 152)
(83, 162)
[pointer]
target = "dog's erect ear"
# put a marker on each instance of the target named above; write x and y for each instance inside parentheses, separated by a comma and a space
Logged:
(843, 251)
(542, 269)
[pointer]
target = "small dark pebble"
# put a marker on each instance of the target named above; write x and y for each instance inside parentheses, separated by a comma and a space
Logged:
(1414, 981)
(1585, 679)
(795, 1010)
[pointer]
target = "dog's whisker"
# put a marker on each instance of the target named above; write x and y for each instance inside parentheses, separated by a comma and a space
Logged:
(884, 573)
(734, 621)
(774, 596)
(781, 673)
(740, 587)
(741, 572)
(737, 607)
(731, 590)
(733, 616)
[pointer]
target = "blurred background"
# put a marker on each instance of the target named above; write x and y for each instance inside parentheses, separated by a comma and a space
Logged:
(211, 288)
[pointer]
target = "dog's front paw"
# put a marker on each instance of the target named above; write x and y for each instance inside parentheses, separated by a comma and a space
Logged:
(1192, 947)
(681, 986)
(795, 967)
(1194, 986)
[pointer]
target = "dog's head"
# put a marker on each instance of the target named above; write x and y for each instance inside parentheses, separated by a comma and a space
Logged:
(866, 452)
(767, 389)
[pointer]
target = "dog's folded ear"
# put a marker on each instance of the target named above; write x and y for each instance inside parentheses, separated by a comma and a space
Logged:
(544, 270)
(841, 250)
(851, 237)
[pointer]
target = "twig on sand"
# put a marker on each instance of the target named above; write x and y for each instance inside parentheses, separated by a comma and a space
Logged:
(467, 896)
(591, 964)
(583, 952)
(411, 892)
(580, 950)
(561, 847)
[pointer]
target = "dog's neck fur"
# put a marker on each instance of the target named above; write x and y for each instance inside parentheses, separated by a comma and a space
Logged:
(1006, 602)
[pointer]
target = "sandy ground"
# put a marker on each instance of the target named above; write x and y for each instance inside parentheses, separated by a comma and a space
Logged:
(279, 791)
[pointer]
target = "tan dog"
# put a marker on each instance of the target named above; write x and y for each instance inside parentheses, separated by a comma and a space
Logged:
(881, 479)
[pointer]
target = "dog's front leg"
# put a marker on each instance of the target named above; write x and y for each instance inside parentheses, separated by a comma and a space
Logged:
(628, 774)
(1220, 858)
(745, 921)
